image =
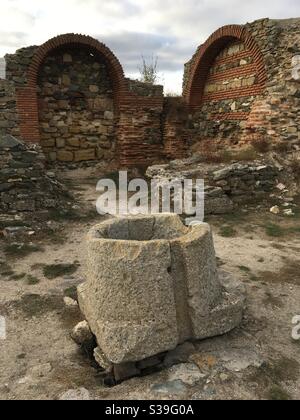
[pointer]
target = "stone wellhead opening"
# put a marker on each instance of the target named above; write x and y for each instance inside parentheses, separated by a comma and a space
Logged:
(152, 284)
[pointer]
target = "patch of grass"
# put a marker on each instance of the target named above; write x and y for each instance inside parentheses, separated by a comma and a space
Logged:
(38, 266)
(284, 369)
(244, 269)
(289, 273)
(59, 215)
(235, 216)
(297, 213)
(4, 267)
(273, 301)
(32, 280)
(71, 292)
(17, 277)
(272, 374)
(35, 305)
(21, 250)
(59, 270)
(277, 393)
(227, 232)
(274, 230)
(294, 229)
(7, 273)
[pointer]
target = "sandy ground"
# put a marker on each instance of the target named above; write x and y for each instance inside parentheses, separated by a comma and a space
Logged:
(258, 360)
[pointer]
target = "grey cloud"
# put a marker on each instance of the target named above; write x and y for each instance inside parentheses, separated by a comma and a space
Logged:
(115, 8)
(173, 29)
(130, 46)
(13, 39)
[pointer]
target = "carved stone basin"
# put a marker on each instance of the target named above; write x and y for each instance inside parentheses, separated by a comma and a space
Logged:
(151, 284)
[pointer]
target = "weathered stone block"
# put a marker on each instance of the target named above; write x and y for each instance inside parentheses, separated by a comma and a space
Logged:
(81, 155)
(64, 156)
(152, 283)
(60, 143)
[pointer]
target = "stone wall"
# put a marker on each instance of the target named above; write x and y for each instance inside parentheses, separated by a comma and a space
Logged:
(224, 99)
(71, 96)
(85, 109)
(17, 65)
(27, 191)
(226, 186)
(8, 109)
(226, 113)
(275, 116)
(76, 110)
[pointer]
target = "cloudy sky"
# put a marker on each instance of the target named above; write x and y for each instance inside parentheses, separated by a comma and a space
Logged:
(170, 29)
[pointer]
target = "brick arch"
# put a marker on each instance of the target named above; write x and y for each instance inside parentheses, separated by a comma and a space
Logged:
(27, 100)
(115, 68)
(207, 53)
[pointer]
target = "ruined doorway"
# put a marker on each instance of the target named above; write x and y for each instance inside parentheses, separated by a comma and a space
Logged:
(76, 105)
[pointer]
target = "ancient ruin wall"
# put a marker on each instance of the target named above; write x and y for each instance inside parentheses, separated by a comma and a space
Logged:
(79, 112)
(76, 108)
(8, 109)
(257, 61)
(238, 88)
(276, 115)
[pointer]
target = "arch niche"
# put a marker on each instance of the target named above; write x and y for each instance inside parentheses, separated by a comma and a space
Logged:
(209, 68)
(75, 86)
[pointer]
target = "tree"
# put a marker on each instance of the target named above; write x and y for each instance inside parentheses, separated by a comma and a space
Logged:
(149, 70)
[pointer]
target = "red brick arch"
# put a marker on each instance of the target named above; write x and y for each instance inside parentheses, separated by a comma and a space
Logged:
(76, 40)
(27, 100)
(207, 53)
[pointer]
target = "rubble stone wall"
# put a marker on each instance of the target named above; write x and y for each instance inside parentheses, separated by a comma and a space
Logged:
(76, 109)
(71, 96)
(8, 109)
(270, 109)
(226, 186)
(26, 189)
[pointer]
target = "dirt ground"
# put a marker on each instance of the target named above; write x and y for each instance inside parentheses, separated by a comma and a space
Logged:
(258, 360)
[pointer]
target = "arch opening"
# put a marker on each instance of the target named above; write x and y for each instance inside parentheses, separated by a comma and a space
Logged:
(226, 77)
(76, 107)
(238, 56)
(75, 86)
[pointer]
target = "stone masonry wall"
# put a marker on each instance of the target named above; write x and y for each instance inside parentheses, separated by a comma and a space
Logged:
(227, 186)
(80, 114)
(8, 109)
(276, 115)
(272, 114)
(232, 70)
(247, 89)
(76, 110)
(26, 189)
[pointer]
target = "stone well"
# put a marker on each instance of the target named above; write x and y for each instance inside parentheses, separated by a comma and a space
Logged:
(152, 284)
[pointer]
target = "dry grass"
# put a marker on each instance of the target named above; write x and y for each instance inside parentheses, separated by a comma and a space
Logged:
(212, 153)
(261, 145)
